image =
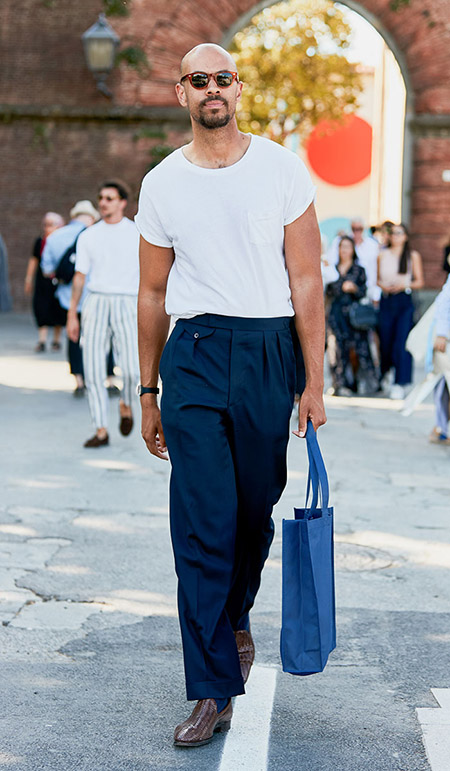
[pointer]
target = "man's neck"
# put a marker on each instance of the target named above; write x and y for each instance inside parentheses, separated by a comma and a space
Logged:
(216, 148)
(113, 220)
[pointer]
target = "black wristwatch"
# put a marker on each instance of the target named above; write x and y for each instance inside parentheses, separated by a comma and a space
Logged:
(141, 390)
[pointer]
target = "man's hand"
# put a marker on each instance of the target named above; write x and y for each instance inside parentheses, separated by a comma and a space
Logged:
(311, 407)
(440, 344)
(151, 428)
(73, 327)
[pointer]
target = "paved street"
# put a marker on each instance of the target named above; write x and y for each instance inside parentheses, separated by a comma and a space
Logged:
(91, 666)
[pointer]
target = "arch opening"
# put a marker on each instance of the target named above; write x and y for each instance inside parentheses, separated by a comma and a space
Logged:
(379, 134)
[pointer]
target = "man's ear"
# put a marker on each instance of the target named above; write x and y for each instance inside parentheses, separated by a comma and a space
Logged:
(239, 91)
(181, 94)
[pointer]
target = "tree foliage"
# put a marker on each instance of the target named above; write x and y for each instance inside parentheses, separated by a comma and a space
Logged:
(292, 62)
(117, 7)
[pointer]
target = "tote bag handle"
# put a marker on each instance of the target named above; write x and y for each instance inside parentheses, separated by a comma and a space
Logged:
(317, 476)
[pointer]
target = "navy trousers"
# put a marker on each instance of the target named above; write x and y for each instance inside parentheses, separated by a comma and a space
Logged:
(228, 390)
(395, 322)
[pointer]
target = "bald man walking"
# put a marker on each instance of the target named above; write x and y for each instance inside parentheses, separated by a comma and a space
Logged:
(230, 246)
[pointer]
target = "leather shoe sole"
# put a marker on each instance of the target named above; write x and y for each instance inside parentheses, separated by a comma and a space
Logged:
(202, 724)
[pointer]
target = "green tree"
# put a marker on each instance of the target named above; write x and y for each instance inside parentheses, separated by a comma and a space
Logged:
(291, 59)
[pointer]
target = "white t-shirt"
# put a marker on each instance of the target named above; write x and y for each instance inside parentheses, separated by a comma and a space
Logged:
(226, 227)
(109, 256)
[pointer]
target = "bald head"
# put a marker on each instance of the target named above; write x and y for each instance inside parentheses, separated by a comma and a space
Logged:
(207, 57)
(53, 219)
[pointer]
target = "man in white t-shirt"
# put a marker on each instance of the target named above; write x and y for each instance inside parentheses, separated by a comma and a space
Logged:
(108, 254)
(230, 245)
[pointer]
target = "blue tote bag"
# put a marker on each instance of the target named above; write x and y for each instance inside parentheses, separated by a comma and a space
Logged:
(308, 628)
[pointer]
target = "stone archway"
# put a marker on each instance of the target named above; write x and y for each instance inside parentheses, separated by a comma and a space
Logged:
(244, 19)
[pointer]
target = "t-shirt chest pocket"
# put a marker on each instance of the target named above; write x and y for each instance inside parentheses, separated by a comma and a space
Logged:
(264, 226)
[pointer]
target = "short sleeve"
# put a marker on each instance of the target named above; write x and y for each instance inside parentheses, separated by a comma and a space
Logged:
(301, 194)
(147, 219)
(82, 259)
(37, 247)
(48, 261)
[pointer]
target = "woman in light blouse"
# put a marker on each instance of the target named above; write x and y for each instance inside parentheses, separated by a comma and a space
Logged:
(399, 272)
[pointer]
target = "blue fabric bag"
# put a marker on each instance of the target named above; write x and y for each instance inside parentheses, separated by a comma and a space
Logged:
(308, 627)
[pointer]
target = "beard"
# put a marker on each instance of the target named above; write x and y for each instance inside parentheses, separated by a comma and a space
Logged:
(210, 120)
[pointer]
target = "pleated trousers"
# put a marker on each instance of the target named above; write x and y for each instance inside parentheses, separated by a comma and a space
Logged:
(228, 390)
(108, 319)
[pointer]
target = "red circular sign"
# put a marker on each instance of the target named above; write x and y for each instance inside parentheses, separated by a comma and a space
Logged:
(340, 153)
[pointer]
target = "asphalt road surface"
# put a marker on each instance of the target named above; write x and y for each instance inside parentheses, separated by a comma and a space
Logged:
(90, 654)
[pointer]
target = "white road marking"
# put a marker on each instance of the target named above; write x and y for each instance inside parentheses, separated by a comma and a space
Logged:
(435, 724)
(247, 744)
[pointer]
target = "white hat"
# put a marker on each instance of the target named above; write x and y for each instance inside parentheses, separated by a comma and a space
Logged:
(84, 207)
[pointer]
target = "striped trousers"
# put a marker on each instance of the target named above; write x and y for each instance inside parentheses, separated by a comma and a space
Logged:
(106, 319)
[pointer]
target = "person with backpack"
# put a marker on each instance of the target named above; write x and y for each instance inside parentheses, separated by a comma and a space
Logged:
(57, 258)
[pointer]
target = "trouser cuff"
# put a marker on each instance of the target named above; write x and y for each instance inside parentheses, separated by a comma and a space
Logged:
(215, 689)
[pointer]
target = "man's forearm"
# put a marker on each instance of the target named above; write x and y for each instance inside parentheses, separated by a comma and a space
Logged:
(77, 291)
(307, 299)
(153, 328)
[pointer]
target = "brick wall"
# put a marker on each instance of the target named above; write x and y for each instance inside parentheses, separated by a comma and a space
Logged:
(50, 172)
(48, 162)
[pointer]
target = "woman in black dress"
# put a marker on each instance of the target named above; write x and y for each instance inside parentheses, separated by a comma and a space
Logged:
(46, 308)
(346, 290)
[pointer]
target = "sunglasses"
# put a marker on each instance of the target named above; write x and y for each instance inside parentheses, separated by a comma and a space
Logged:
(356, 228)
(222, 79)
(107, 197)
(397, 232)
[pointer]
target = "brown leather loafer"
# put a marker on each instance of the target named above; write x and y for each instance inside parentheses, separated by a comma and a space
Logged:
(94, 441)
(246, 650)
(202, 724)
(126, 425)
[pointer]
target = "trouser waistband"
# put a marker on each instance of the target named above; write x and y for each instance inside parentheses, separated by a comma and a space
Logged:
(237, 322)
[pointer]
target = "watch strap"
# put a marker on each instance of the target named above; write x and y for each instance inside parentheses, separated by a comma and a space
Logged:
(147, 390)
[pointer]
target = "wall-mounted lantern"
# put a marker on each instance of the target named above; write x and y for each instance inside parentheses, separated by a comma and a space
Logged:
(100, 44)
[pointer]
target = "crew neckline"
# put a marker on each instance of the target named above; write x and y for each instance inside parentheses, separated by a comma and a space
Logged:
(224, 169)
(113, 224)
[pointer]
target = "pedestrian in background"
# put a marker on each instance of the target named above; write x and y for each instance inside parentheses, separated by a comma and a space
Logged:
(46, 308)
(367, 249)
(82, 215)
(386, 230)
(446, 263)
(108, 253)
(439, 434)
(399, 273)
(5, 294)
(349, 288)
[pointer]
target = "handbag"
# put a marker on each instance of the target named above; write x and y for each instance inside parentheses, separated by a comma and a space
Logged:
(362, 316)
(308, 628)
